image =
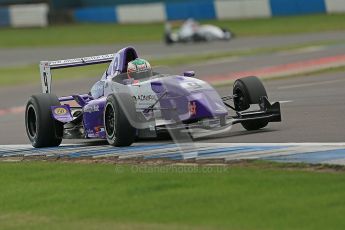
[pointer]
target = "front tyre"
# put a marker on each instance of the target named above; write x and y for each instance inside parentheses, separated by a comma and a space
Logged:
(249, 90)
(227, 34)
(41, 128)
(119, 131)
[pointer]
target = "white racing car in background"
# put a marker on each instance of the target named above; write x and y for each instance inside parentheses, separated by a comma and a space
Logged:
(192, 31)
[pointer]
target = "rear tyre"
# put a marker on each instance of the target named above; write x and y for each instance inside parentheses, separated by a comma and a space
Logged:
(119, 131)
(167, 39)
(249, 90)
(41, 128)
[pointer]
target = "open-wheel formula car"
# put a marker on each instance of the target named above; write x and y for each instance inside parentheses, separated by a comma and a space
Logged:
(131, 101)
(192, 31)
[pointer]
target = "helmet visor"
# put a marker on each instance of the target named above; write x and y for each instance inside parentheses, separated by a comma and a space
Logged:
(140, 75)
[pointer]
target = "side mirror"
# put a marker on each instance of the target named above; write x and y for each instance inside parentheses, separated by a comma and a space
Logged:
(189, 74)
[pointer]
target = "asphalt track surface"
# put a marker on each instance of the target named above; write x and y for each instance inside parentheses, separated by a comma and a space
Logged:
(23, 56)
(314, 113)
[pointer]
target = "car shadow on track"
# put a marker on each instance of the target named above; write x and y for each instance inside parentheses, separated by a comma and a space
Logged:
(234, 134)
(167, 139)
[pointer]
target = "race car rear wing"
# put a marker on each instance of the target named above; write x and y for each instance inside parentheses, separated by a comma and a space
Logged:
(47, 66)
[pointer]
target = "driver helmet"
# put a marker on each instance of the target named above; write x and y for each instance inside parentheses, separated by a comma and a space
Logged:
(139, 68)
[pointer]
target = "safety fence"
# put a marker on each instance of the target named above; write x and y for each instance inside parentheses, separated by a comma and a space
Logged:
(158, 11)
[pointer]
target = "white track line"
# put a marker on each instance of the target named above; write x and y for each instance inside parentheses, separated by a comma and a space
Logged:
(287, 101)
(311, 84)
(203, 144)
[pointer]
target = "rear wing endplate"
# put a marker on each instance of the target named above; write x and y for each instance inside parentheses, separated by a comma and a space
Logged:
(47, 66)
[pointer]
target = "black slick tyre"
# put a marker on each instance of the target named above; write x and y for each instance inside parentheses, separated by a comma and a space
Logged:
(119, 131)
(249, 90)
(41, 128)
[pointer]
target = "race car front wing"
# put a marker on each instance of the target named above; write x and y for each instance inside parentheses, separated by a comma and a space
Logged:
(268, 112)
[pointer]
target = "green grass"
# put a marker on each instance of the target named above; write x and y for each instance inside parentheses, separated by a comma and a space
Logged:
(15, 76)
(79, 34)
(21, 75)
(285, 25)
(83, 34)
(46, 195)
(312, 73)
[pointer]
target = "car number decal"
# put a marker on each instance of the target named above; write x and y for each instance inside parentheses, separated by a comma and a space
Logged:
(60, 111)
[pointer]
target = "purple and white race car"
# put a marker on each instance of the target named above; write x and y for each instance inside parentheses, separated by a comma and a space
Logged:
(121, 109)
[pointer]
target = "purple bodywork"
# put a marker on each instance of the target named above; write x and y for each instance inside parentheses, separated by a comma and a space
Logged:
(190, 98)
(62, 113)
(206, 100)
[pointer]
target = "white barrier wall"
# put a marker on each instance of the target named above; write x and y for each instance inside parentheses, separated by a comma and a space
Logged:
(141, 13)
(335, 6)
(36, 15)
(227, 9)
(29, 15)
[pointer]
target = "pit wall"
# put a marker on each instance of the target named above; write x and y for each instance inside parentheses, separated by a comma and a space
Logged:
(28, 15)
(155, 11)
